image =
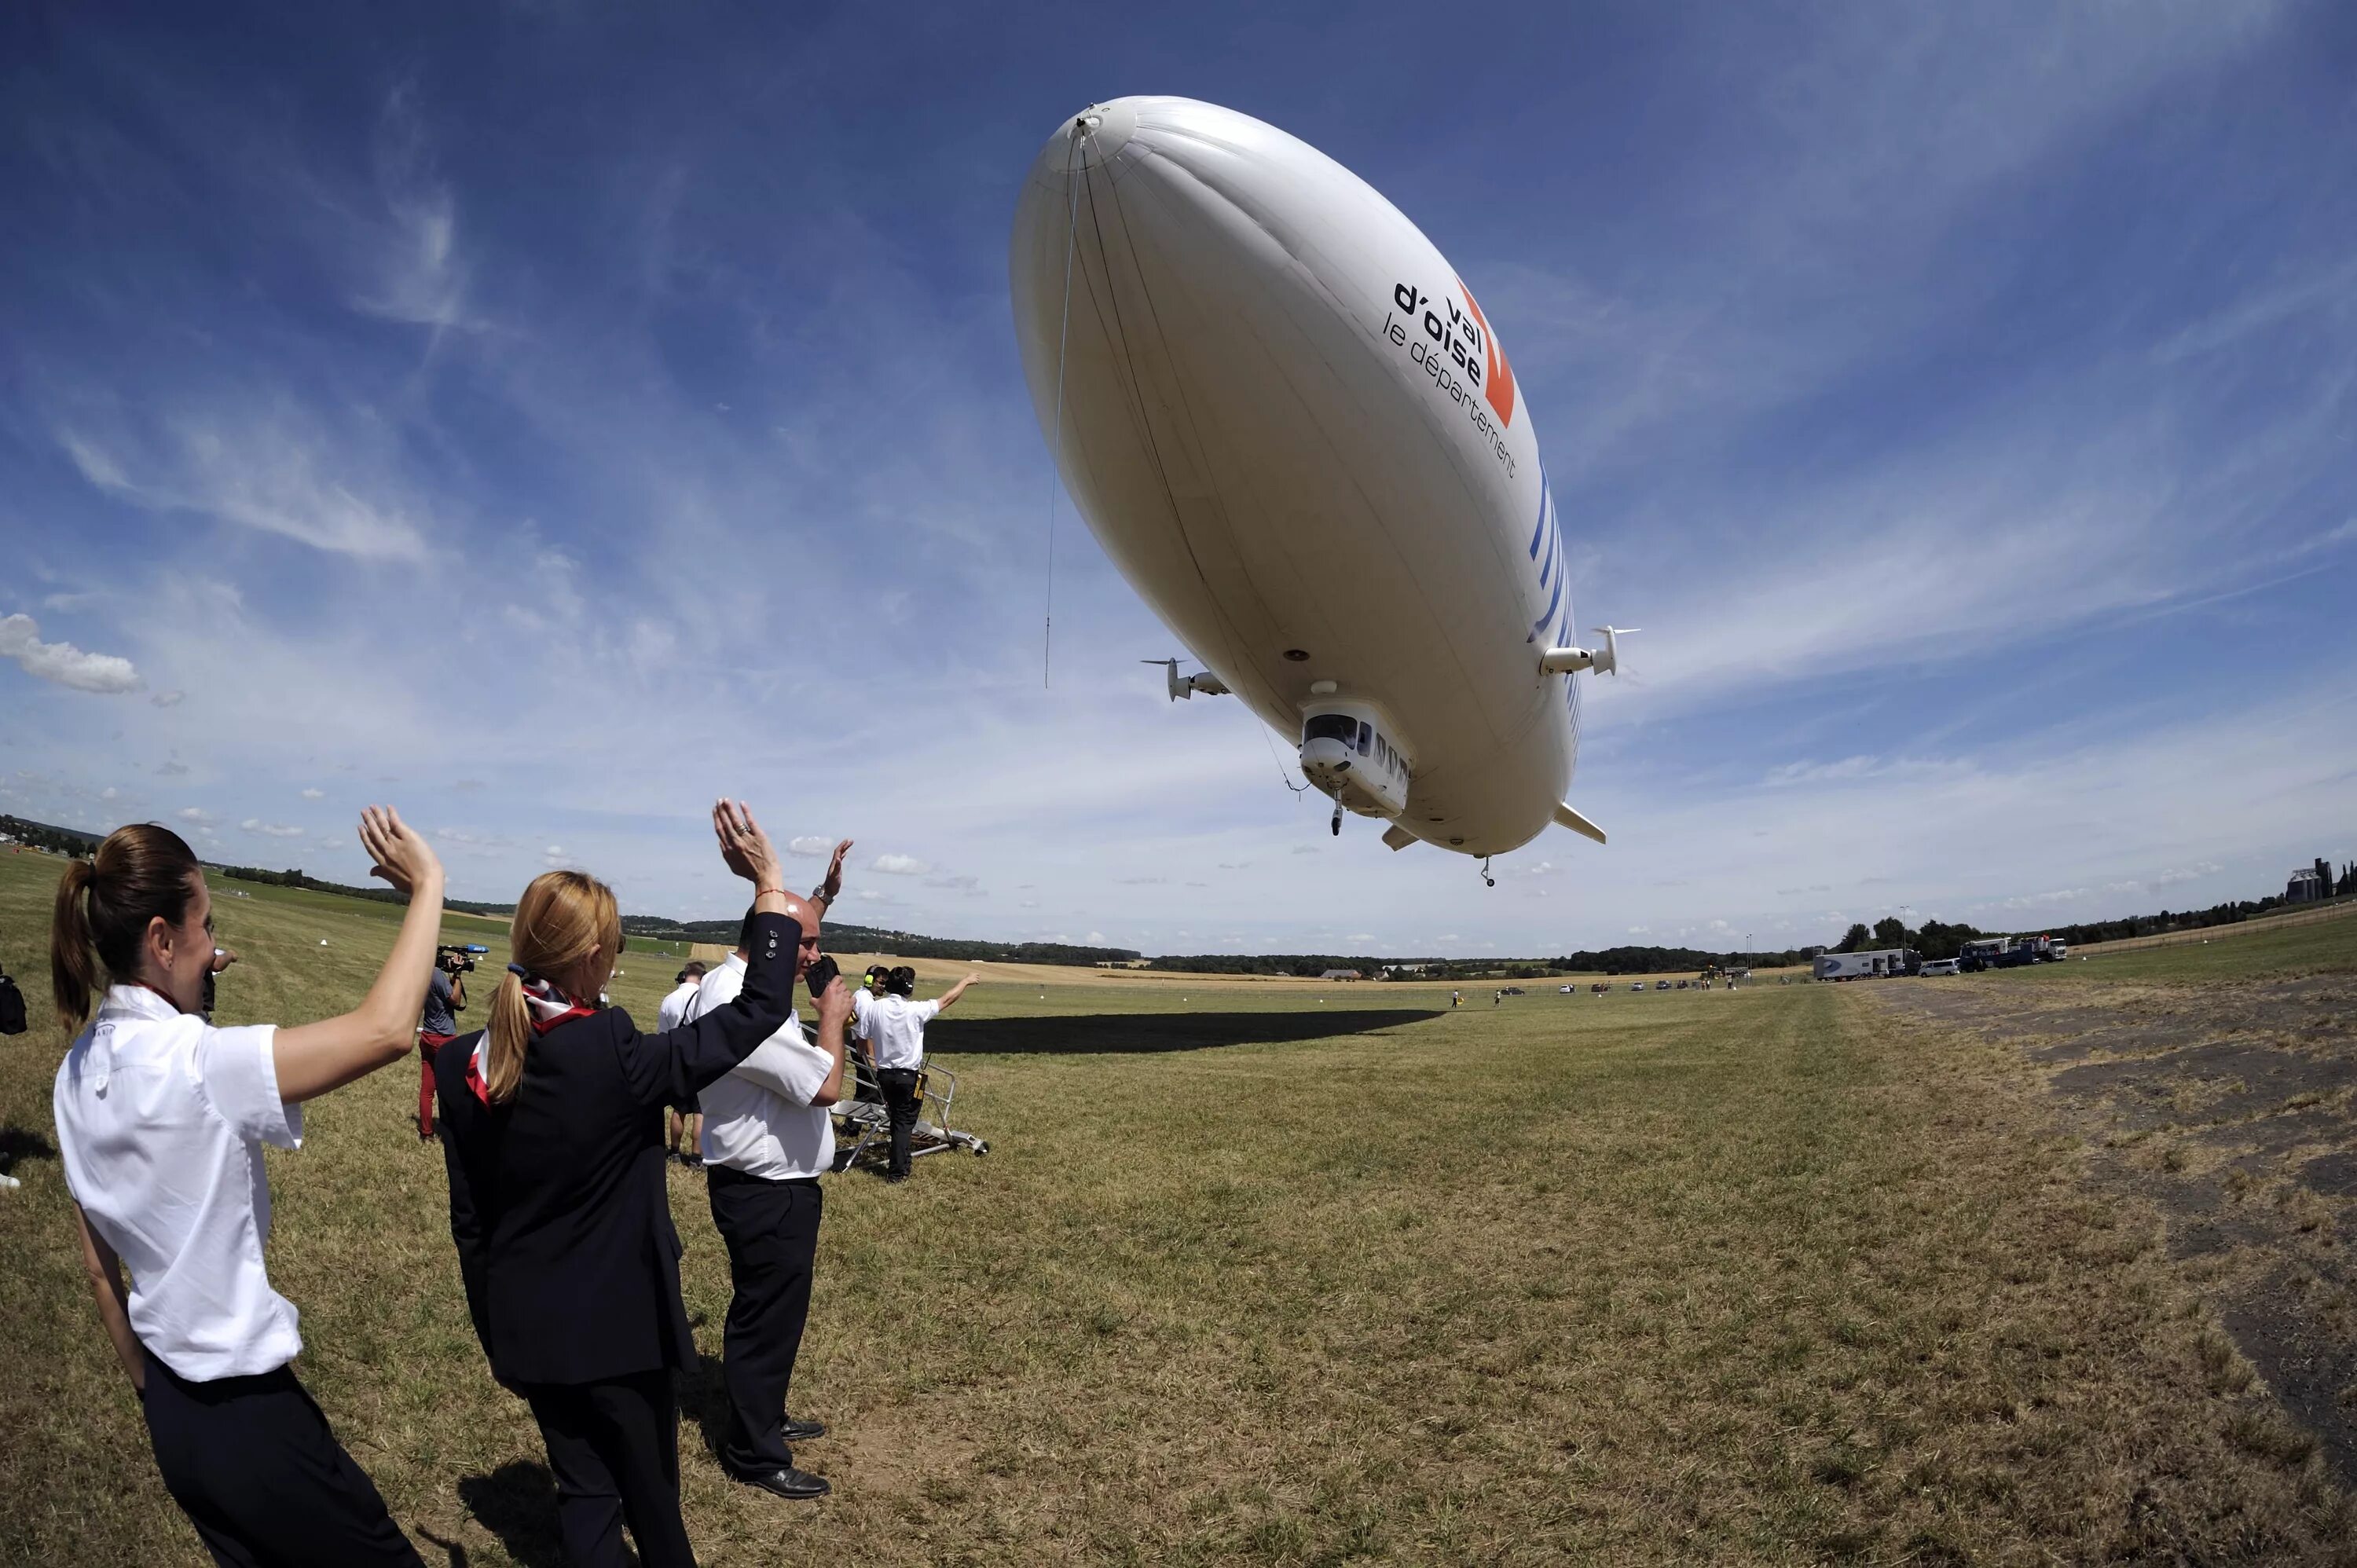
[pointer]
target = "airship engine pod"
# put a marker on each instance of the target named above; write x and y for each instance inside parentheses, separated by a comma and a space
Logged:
(1297, 433)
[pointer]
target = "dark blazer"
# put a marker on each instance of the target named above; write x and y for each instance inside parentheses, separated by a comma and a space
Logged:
(557, 1199)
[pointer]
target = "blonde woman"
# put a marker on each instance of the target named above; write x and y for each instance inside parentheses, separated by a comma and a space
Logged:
(552, 1130)
(161, 1118)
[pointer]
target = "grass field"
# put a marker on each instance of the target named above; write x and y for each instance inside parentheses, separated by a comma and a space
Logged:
(1300, 1275)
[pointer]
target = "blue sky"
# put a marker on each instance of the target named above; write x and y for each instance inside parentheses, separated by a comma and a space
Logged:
(545, 417)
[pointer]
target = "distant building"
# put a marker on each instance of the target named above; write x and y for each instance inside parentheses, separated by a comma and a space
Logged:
(1340, 974)
(2306, 886)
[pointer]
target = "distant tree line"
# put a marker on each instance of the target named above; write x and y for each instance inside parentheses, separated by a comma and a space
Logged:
(1610, 960)
(1936, 938)
(847, 938)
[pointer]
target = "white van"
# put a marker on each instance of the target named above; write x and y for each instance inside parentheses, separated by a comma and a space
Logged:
(1938, 966)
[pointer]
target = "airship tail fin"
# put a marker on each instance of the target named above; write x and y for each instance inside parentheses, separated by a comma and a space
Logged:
(1398, 837)
(1578, 824)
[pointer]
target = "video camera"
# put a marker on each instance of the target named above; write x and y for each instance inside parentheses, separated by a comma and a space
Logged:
(459, 958)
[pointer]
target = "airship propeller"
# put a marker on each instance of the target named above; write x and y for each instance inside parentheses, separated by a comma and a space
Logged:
(1186, 686)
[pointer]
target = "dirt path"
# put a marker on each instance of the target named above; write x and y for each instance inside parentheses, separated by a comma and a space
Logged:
(2232, 1107)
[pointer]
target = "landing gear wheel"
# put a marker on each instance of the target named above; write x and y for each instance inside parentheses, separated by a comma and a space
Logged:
(1336, 824)
(1486, 877)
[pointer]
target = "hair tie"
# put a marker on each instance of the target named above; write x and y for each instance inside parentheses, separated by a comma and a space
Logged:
(518, 972)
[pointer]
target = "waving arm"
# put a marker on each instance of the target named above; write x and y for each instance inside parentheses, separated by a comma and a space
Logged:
(312, 1059)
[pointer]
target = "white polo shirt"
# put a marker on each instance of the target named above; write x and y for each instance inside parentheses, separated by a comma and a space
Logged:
(896, 1030)
(672, 1012)
(161, 1119)
(759, 1119)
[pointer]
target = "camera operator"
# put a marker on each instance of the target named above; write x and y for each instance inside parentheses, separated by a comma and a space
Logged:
(895, 1030)
(768, 1138)
(437, 1025)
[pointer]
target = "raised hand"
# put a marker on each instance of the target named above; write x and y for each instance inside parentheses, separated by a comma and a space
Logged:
(402, 857)
(833, 883)
(744, 847)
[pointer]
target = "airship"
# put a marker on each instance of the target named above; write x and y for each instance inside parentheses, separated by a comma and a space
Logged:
(1297, 433)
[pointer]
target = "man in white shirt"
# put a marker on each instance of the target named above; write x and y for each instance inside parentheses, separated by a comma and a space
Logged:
(894, 1027)
(672, 1011)
(766, 1139)
(669, 1016)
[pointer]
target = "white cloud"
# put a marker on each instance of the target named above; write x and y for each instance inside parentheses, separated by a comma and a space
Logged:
(315, 794)
(270, 830)
(168, 699)
(195, 814)
(103, 673)
(809, 845)
(2188, 873)
(110, 793)
(900, 865)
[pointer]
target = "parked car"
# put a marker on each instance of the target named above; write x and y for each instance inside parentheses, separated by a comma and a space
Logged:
(1938, 966)
(1660, 986)
(1637, 985)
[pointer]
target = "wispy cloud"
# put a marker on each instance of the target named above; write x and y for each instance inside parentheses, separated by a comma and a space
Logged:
(270, 830)
(265, 472)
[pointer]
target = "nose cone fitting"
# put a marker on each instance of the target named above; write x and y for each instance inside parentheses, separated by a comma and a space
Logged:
(1092, 139)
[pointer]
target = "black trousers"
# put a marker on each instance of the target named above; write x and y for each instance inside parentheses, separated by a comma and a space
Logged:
(900, 1087)
(254, 1465)
(771, 1229)
(614, 1449)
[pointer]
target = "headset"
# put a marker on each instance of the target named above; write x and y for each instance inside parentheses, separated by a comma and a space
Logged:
(901, 981)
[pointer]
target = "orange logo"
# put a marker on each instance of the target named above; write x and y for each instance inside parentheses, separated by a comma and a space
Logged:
(1497, 376)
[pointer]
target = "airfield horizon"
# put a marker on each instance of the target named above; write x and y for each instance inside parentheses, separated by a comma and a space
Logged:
(1275, 1272)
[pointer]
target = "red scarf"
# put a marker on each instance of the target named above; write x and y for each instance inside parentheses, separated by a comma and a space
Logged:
(549, 1007)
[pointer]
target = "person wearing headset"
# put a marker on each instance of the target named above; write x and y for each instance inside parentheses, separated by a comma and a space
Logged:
(894, 1025)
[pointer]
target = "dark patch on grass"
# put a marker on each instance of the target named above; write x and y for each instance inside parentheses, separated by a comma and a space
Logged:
(22, 1143)
(1123, 1033)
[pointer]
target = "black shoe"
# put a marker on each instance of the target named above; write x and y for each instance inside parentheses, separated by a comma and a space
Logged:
(894, 1179)
(802, 1431)
(799, 1485)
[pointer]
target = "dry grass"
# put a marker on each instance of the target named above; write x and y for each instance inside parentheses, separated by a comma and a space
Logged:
(1695, 1277)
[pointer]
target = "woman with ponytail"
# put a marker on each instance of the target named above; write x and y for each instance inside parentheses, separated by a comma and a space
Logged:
(553, 1130)
(161, 1119)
